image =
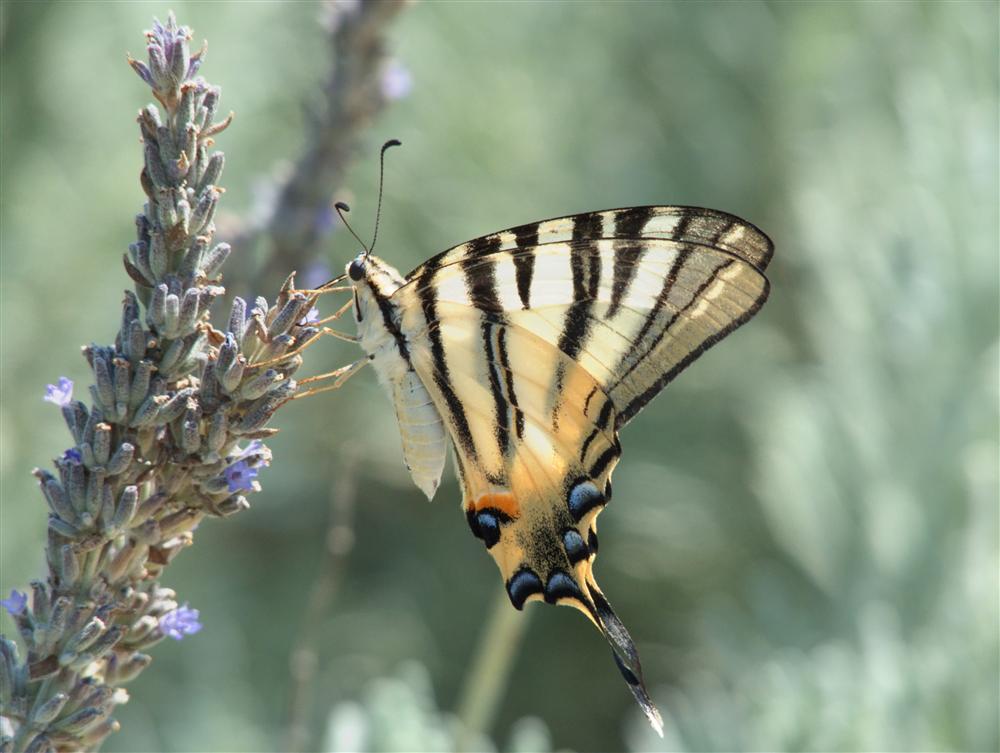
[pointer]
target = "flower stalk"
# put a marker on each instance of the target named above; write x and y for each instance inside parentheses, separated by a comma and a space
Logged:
(171, 433)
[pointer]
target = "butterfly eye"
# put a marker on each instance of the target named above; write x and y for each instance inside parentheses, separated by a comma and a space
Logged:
(356, 271)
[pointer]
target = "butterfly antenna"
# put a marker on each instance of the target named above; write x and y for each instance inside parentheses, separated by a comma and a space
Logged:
(381, 174)
(341, 207)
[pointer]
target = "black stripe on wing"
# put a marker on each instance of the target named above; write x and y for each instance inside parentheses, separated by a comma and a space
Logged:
(427, 293)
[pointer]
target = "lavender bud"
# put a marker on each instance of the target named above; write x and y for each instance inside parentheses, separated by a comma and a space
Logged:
(217, 431)
(148, 411)
(215, 259)
(107, 507)
(288, 315)
(178, 57)
(190, 426)
(149, 507)
(95, 485)
(209, 394)
(154, 167)
(77, 487)
(105, 388)
(234, 374)
(233, 505)
(204, 212)
(190, 155)
(191, 263)
(180, 522)
(183, 208)
(93, 737)
(102, 443)
(172, 305)
(127, 504)
(185, 111)
(174, 406)
(260, 384)
(156, 314)
(55, 495)
(210, 102)
(142, 260)
(159, 259)
(60, 614)
(81, 640)
(63, 527)
(39, 600)
(189, 311)
(131, 668)
(49, 710)
(120, 461)
(75, 414)
(238, 319)
(86, 451)
(213, 171)
(79, 721)
(69, 569)
(141, 629)
(135, 341)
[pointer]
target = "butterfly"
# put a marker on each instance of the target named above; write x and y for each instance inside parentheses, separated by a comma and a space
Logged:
(527, 350)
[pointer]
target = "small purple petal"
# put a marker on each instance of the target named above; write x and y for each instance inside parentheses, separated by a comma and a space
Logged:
(397, 81)
(310, 318)
(60, 394)
(16, 603)
(180, 622)
(240, 476)
(72, 455)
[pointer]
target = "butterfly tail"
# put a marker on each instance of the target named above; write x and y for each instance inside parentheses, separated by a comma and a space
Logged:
(625, 654)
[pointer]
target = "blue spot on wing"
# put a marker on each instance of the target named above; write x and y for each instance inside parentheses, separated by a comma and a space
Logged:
(582, 498)
(522, 584)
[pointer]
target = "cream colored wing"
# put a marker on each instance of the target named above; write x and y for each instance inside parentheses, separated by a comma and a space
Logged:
(538, 343)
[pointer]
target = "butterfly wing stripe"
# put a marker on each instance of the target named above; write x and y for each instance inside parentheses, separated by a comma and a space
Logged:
(427, 293)
(509, 378)
(640, 401)
(627, 256)
(500, 404)
(524, 264)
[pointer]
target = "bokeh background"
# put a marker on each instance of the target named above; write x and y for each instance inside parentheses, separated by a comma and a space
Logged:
(804, 540)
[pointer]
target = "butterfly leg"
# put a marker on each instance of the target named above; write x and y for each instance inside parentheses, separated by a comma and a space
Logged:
(325, 331)
(339, 376)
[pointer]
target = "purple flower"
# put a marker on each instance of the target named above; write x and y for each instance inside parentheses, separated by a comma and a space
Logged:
(396, 80)
(72, 455)
(16, 603)
(240, 476)
(310, 318)
(180, 622)
(61, 393)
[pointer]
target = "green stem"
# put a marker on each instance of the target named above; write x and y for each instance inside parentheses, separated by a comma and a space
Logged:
(486, 681)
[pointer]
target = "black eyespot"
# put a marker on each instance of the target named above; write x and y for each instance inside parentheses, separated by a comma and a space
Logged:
(356, 271)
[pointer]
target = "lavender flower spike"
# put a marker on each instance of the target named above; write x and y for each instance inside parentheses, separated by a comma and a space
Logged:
(180, 622)
(16, 603)
(59, 394)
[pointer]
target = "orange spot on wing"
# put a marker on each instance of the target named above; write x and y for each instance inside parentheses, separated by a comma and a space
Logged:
(503, 501)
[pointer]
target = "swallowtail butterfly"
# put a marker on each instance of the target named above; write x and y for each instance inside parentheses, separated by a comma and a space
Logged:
(528, 350)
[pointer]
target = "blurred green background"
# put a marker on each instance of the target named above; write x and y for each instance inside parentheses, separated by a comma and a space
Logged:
(804, 540)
